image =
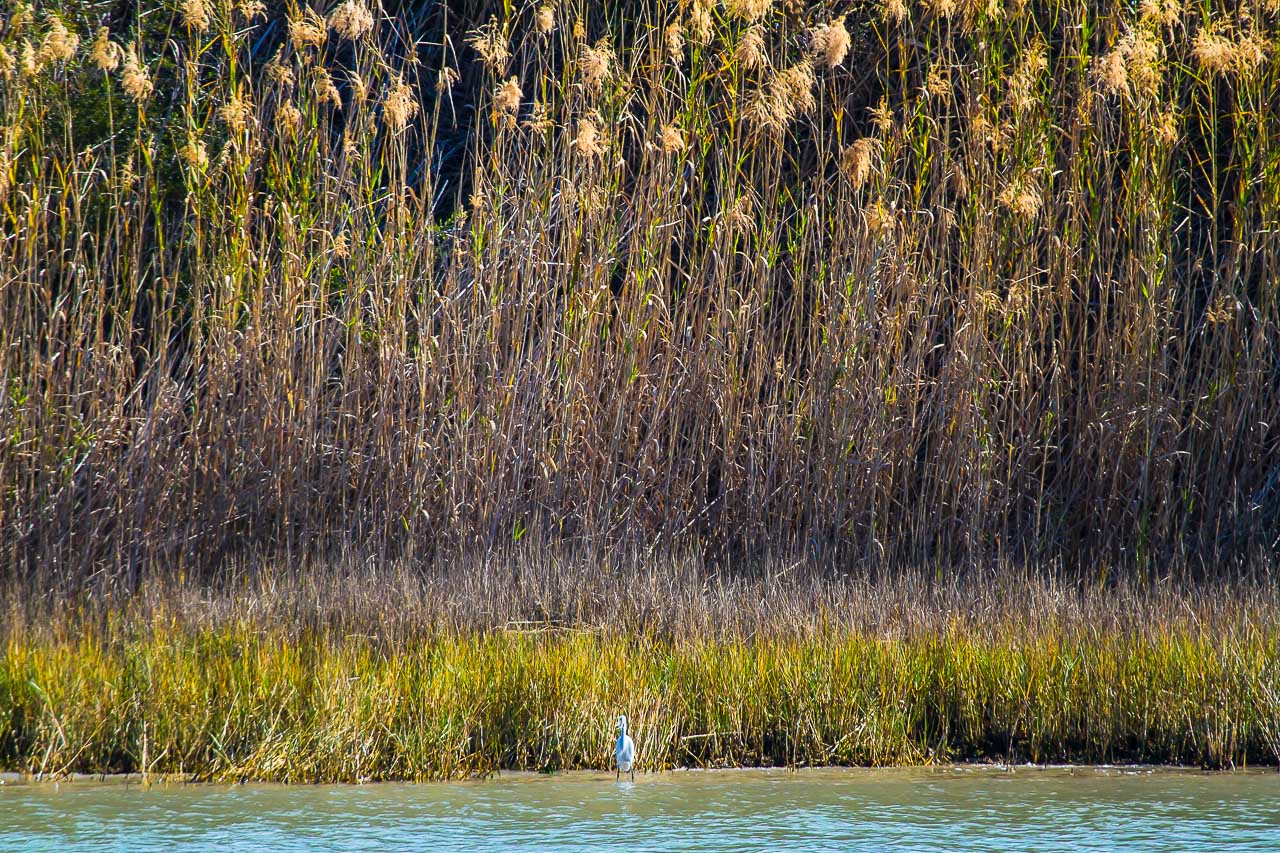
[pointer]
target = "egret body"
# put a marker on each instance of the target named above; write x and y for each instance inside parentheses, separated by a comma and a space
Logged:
(624, 753)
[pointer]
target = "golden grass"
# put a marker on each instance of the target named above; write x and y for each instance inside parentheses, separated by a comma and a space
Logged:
(367, 674)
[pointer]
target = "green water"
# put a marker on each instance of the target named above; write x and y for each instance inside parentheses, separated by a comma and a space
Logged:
(943, 809)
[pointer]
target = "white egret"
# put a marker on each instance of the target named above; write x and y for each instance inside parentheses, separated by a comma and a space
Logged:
(625, 752)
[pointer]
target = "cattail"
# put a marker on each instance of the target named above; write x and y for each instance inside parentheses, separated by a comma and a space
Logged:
(399, 107)
(491, 44)
(748, 10)
(448, 76)
(288, 119)
(105, 53)
(895, 10)
(831, 42)
(237, 112)
(672, 140)
(544, 20)
(307, 31)
(59, 45)
(856, 161)
(587, 141)
(7, 63)
(326, 91)
(506, 98)
(134, 78)
(351, 20)
(674, 37)
(750, 50)
(195, 15)
(597, 65)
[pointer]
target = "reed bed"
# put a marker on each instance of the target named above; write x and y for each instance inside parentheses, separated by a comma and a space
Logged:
(943, 284)
(344, 688)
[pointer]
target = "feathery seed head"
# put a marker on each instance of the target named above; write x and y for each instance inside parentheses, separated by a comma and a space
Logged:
(750, 50)
(506, 100)
(672, 140)
(105, 53)
(740, 216)
(307, 30)
(134, 78)
(194, 154)
(748, 10)
(701, 26)
(326, 91)
(1164, 13)
(588, 141)
(895, 10)
(399, 107)
(544, 20)
(8, 65)
(448, 76)
(359, 88)
(195, 15)
(597, 65)
(250, 9)
(831, 42)
(942, 8)
(857, 161)
(351, 20)
(1021, 197)
(279, 72)
(288, 119)
(882, 115)
(937, 84)
(237, 112)
(29, 59)
(59, 45)
(491, 43)
(674, 36)
(539, 120)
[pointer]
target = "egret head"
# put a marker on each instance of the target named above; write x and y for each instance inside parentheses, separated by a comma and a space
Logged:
(622, 723)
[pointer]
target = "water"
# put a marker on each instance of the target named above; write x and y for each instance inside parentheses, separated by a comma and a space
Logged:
(947, 809)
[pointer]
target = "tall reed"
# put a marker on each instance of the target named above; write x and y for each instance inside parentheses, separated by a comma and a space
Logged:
(942, 283)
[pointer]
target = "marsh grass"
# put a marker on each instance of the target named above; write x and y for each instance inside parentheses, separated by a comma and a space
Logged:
(376, 675)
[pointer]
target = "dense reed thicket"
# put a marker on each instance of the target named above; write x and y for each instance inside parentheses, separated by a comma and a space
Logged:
(947, 282)
(383, 675)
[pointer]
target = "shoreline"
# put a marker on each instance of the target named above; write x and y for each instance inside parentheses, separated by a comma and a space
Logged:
(936, 771)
